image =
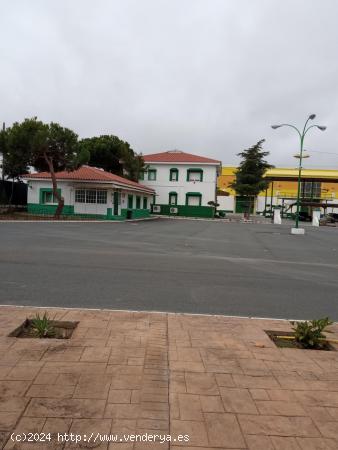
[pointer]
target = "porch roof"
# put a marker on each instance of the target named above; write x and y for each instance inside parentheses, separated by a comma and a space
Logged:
(88, 174)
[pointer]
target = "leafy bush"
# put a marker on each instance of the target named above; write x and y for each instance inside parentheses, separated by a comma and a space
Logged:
(42, 326)
(310, 333)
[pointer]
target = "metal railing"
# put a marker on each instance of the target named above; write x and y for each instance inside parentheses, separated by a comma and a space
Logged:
(321, 196)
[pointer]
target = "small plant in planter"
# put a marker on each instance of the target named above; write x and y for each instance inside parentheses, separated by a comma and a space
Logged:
(310, 333)
(42, 326)
(306, 335)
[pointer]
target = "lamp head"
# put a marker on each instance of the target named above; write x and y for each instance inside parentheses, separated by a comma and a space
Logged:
(274, 127)
(321, 127)
(312, 116)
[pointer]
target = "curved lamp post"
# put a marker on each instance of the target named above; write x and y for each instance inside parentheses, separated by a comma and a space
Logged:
(301, 136)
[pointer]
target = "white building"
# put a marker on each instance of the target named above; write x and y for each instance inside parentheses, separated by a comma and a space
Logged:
(89, 192)
(184, 183)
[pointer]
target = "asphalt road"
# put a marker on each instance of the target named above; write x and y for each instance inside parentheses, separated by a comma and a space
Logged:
(172, 265)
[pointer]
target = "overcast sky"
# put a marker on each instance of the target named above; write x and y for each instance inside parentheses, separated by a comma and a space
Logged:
(203, 76)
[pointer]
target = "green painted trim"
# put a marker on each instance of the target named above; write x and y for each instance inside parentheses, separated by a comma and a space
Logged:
(37, 208)
(68, 211)
(172, 171)
(42, 192)
(188, 211)
(135, 213)
(195, 170)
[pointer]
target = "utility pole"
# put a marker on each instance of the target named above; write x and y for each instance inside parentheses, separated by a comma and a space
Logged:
(3, 154)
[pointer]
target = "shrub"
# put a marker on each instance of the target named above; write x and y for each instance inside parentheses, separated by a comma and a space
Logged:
(310, 333)
(42, 326)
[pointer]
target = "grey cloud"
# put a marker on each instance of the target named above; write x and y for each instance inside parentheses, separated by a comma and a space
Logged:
(204, 76)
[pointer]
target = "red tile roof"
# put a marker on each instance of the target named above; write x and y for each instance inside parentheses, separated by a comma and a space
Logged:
(176, 156)
(87, 173)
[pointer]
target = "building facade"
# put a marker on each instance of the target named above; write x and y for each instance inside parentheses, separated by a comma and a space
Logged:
(184, 183)
(89, 192)
(319, 190)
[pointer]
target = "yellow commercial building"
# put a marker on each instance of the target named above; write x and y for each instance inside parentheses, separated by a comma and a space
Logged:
(319, 189)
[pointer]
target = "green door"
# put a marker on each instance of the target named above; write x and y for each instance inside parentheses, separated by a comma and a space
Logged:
(244, 203)
(116, 203)
(130, 202)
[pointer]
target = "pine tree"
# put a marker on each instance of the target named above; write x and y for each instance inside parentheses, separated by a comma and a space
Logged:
(250, 181)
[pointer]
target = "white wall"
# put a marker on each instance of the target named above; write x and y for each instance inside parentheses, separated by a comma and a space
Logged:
(226, 203)
(34, 186)
(163, 185)
(68, 192)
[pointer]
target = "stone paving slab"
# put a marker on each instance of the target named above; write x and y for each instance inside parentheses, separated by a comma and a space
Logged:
(219, 380)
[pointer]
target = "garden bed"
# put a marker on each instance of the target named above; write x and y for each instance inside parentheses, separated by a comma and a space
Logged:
(61, 330)
(292, 343)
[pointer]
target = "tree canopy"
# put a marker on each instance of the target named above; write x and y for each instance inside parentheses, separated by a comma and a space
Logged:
(113, 155)
(43, 146)
(249, 181)
(51, 147)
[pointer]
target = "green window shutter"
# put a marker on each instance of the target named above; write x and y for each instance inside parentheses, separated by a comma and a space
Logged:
(141, 176)
(145, 203)
(130, 201)
(173, 174)
(138, 202)
(173, 198)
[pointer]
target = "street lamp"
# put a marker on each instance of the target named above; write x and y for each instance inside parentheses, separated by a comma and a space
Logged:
(301, 136)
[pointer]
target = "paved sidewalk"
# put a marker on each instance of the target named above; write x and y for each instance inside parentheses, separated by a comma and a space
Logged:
(219, 380)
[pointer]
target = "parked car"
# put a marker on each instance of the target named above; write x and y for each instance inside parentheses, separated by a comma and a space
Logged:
(332, 218)
(304, 216)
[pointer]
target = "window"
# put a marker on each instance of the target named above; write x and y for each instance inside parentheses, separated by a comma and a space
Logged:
(311, 189)
(48, 197)
(138, 202)
(173, 174)
(193, 199)
(145, 203)
(80, 196)
(91, 196)
(102, 197)
(172, 198)
(194, 175)
(141, 175)
(152, 174)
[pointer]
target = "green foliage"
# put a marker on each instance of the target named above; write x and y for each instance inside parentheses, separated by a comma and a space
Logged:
(113, 155)
(249, 176)
(213, 203)
(34, 143)
(310, 333)
(46, 147)
(42, 326)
